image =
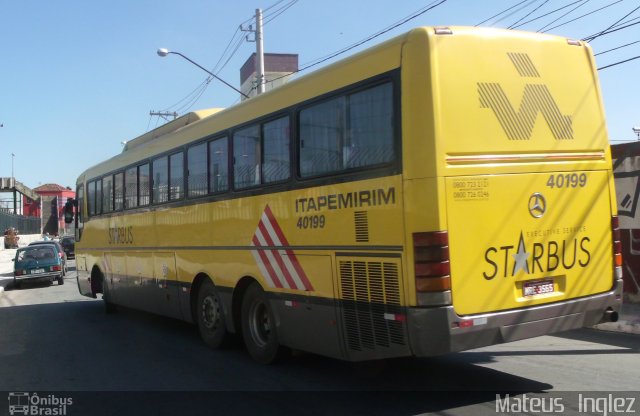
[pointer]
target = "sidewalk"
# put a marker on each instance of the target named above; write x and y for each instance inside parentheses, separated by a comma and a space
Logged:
(7, 254)
(629, 320)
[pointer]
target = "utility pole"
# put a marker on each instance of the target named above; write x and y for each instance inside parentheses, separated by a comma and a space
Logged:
(259, 52)
(164, 114)
(259, 40)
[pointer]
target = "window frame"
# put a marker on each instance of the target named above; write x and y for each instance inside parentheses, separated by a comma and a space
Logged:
(294, 179)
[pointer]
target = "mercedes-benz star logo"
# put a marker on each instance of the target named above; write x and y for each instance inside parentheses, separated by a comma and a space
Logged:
(537, 205)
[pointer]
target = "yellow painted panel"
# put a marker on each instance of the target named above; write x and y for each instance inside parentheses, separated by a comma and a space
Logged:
(498, 245)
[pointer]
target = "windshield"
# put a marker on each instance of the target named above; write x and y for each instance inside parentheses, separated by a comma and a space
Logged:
(35, 253)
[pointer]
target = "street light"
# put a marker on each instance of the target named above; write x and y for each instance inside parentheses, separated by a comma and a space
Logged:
(162, 52)
(636, 130)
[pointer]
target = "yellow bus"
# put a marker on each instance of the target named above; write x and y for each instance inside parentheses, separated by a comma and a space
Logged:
(450, 188)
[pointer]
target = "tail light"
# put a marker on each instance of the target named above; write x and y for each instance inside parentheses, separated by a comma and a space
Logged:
(56, 268)
(18, 272)
(432, 269)
(617, 247)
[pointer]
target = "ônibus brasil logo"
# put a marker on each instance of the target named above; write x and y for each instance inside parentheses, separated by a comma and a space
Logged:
(24, 403)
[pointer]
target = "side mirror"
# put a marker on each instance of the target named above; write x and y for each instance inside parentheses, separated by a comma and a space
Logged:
(69, 210)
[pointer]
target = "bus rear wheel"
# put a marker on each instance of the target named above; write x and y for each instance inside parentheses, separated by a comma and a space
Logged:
(210, 316)
(259, 327)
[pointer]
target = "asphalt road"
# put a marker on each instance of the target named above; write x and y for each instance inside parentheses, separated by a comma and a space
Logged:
(53, 339)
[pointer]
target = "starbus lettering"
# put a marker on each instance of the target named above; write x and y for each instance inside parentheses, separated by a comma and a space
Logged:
(508, 260)
(121, 235)
(357, 199)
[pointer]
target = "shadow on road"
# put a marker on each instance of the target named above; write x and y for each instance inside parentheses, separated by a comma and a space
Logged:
(75, 346)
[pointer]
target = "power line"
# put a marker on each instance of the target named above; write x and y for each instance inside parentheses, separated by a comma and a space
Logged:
(582, 3)
(318, 61)
(616, 48)
(418, 13)
(582, 16)
(546, 14)
(270, 17)
(615, 30)
(504, 11)
(619, 63)
(528, 14)
(594, 37)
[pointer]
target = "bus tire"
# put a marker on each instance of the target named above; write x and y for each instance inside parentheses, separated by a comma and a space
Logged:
(210, 316)
(259, 327)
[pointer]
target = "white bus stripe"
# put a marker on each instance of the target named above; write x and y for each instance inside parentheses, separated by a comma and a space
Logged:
(263, 269)
(288, 262)
(272, 261)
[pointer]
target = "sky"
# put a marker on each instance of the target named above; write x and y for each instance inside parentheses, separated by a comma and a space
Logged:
(78, 78)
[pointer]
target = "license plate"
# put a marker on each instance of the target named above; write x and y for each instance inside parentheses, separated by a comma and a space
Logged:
(36, 271)
(537, 287)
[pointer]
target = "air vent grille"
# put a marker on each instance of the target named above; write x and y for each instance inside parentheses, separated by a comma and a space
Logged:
(371, 303)
(362, 226)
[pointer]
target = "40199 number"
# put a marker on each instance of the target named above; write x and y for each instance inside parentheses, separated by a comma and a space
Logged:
(311, 222)
(568, 180)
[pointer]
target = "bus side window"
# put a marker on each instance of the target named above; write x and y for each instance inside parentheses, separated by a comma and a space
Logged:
(246, 157)
(218, 165)
(160, 185)
(276, 159)
(176, 176)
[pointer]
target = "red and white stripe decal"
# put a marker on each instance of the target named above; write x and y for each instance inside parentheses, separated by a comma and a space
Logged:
(280, 267)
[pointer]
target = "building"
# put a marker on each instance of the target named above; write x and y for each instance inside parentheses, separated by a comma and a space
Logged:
(278, 69)
(53, 197)
(626, 170)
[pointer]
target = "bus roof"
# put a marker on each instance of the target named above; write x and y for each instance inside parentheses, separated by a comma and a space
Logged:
(170, 127)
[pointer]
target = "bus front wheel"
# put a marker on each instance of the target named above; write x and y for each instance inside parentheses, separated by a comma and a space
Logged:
(209, 316)
(259, 327)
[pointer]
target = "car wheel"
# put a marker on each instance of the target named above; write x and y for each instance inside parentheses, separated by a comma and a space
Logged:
(210, 316)
(17, 284)
(61, 279)
(259, 327)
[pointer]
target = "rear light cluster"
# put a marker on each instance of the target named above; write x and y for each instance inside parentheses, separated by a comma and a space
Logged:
(56, 268)
(19, 272)
(431, 263)
(617, 247)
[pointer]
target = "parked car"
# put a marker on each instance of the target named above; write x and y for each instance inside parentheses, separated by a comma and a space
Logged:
(37, 262)
(68, 243)
(59, 249)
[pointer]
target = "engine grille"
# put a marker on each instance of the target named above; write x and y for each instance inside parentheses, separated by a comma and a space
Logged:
(371, 301)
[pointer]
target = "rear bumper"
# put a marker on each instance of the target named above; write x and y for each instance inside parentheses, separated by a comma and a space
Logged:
(31, 277)
(434, 331)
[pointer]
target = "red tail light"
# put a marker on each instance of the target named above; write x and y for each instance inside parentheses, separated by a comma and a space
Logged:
(19, 272)
(56, 268)
(617, 247)
(431, 261)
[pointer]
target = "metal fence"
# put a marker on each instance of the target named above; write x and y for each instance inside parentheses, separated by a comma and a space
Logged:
(24, 225)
